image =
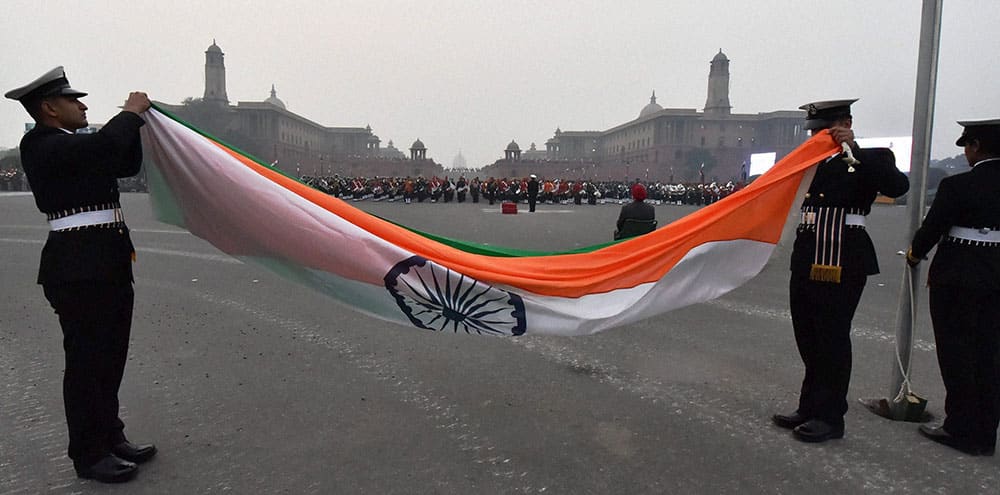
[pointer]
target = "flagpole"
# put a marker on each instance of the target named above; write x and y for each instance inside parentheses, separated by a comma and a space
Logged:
(901, 405)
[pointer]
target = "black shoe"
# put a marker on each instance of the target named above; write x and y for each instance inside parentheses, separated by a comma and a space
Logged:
(134, 453)
(790, 421)
(817, 430)
(942, 437)
(109, 469)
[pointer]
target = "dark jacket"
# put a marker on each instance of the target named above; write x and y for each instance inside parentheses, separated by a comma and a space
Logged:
(834, 186)
(75, 172)
(533, 187)
(970, 199)
(636, 210)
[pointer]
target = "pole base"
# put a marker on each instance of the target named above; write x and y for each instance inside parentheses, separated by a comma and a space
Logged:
(911, 408)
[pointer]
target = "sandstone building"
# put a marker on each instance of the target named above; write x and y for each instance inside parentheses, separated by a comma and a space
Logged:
(273, 134)
(666, 143)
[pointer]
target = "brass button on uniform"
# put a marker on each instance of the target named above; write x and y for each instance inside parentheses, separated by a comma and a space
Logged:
(808, 195)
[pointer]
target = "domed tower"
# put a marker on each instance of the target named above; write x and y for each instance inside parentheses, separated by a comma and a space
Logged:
(215, 75)
(651, 108)
(274, 100)
(374, 143)
(512, 152)
(718, 86)
(418, 151)
(552, 146)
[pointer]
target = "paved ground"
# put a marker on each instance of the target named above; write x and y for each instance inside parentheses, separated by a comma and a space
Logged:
(250, 384)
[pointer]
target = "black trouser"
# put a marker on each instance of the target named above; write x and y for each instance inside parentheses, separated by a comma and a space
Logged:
(532, 199)
(96, 319)
(821, 316)
(966, 332)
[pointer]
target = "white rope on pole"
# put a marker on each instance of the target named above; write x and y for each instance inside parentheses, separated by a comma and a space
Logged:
(904, 387)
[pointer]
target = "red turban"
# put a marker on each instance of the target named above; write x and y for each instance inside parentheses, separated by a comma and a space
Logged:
(638, 192)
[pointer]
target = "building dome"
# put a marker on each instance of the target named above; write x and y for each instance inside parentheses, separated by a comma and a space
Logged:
(391, 152)
(651, 108)
(720, 57)
(418, 145)
(214, 48)
(513, 146)
(274, 99)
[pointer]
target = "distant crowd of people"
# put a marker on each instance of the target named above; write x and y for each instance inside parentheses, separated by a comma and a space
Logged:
(491, 190)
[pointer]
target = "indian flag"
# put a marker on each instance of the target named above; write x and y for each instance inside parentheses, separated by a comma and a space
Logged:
(254, 212)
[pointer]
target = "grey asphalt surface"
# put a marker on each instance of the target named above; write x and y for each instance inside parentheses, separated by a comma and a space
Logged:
(248, 383)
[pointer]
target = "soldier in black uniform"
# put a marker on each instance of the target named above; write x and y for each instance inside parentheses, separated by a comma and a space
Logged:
(831, 260)
(492, 190)
(474, 189)
(592, 193)
(964, 280)
(532, 192)
(86, 264)
(461, 187)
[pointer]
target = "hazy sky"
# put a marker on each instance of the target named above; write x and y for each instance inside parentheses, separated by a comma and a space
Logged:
(472, 75)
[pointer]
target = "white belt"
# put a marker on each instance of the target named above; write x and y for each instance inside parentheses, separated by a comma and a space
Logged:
(809, 218)
(86, 218)
(976, 235)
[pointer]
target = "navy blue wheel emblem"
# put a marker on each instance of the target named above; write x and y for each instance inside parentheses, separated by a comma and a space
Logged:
(435, 298)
